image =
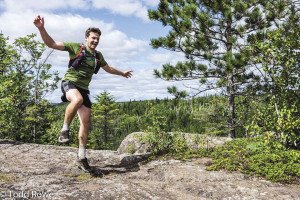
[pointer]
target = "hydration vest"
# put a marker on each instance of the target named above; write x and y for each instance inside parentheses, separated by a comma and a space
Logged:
(77, 60)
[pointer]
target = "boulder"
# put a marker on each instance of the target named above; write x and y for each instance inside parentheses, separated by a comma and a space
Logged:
(133, 144)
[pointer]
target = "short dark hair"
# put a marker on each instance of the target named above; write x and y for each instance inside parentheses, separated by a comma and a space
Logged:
(92, 29)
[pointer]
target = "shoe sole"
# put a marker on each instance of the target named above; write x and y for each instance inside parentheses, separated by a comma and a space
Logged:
(63, 140)
(83, 169)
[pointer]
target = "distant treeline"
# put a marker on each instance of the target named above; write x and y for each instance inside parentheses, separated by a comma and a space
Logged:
(113, 121)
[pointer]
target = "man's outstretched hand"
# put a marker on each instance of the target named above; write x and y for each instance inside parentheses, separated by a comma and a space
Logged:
(127, 74)
(39, 21)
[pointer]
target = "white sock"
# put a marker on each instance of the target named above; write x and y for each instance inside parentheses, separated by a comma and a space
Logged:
(65, 127)
(81, 152)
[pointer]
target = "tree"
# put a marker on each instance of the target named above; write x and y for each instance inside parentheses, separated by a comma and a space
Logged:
(40, 82)
(24, 82)
(104, 113)
(6, 60)
(280, 57)
(214, 37)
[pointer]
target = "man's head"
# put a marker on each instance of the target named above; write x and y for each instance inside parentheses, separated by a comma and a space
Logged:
(92, 37)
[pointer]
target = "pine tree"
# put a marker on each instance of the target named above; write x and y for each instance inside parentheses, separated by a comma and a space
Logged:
(104, 112)
(214, 37)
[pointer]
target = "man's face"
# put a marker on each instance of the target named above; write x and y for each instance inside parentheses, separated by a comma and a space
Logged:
(92, 40)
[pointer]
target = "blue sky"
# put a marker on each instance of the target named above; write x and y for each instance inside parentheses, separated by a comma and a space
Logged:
(126, 33)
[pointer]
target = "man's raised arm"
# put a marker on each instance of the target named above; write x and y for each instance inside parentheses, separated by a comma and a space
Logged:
(39, 23)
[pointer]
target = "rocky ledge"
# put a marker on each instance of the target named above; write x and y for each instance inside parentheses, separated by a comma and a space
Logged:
(32, 171)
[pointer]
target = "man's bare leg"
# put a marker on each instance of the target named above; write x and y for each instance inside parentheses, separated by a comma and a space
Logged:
(75, 98)
(84, 114)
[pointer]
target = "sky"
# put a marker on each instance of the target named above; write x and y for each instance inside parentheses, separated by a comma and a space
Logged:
(124, 43)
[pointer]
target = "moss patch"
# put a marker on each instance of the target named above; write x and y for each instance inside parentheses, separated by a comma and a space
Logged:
(7, 178)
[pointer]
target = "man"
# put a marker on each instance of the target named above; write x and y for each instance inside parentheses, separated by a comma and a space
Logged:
(83, 64)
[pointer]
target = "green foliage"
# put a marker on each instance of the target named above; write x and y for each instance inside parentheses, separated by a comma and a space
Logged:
(221, 34)
(280, 56)
(197, 115)
(53, 131)
(105, 112)
(255, 157)
(172, 145)
(178, 94)
(158, 138)
(162, 142)
(273, 123)
(38, 118)
(260, 156)
(24, 81)
(172, 115)
(213, 116)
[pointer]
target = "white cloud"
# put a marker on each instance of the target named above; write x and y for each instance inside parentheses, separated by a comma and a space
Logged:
(141, 86)
(123, 51)
(116, 45)
(64, 27)
(43, 5)
(151, 3)
(124, 7)
(164, 57)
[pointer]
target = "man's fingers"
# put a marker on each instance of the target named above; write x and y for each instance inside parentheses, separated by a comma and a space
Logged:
(39, 18)
(128, 74)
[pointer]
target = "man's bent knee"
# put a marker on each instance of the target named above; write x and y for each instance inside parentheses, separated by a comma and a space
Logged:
(74, 96)
(77, 100)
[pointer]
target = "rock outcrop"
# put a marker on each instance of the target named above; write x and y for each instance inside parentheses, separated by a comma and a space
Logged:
(32, 171)
(133, 144)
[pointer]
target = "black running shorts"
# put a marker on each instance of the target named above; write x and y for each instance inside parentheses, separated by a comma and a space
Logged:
(66, 86)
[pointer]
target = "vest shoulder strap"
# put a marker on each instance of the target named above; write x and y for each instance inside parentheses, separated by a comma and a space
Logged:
(97, 65)
(76, 60)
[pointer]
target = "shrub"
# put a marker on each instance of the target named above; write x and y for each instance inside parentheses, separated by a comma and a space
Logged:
(255, 157)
